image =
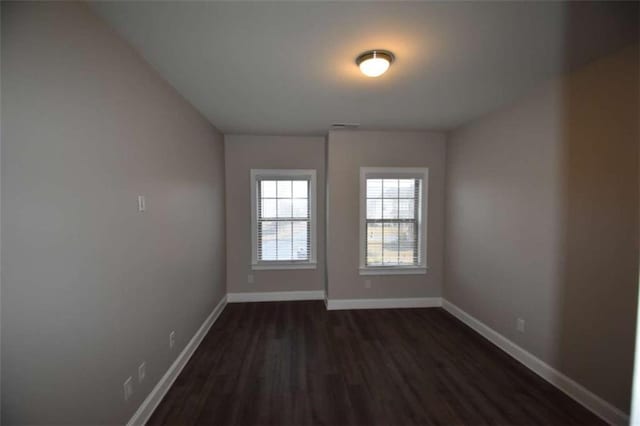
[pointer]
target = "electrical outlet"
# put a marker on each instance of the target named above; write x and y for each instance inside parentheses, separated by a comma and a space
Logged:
(142, 371)
(250, 279)
(128, 388)
(142, 204)
(172, 339)
(367, 283)
(520, 325)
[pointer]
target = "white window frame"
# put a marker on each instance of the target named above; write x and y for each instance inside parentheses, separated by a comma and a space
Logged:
(265, 174)
(395, 173)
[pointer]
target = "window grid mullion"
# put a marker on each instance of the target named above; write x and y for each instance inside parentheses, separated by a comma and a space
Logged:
(283, 219)
(277, 231)
(398, 241)
(389, 220)
(291, 240)
(382, 227)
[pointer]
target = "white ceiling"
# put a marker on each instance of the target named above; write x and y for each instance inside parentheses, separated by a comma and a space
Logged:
(288, 67)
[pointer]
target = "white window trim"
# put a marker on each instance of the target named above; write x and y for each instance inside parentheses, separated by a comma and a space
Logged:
(394, 172)
(257, 174)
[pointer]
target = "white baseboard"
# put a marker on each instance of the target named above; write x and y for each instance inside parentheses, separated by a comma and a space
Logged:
(275, 296)
(588, 399)
(412, 302)
(146, 409)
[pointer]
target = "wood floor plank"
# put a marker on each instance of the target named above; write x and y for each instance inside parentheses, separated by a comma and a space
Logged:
(295, 363)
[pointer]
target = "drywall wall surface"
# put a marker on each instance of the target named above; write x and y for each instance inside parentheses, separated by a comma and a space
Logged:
(91, 287)
(635, 393)
(246, 152)
(348, 151)
(542, 223)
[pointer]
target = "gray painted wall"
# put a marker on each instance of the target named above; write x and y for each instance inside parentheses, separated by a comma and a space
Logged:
(347, 152)
(542, 223)
(90, 286)
(243, 153)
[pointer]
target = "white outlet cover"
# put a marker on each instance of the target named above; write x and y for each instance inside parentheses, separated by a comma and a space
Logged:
(142, 205)
(142, 372)
(520, 324)
(172, 339)
(128, 388)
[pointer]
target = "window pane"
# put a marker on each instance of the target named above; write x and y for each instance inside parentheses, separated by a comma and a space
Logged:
(405, 209)
(284, 189)
(284, 250)
(406, 258)
(390, 209)
(284, 230)
(390, 257)
(268, 208)
(391, 219)
(268, 189)
(268, 248)
(300, 208)
(407, 244)
(406, 188)
(284, 240)
(390, 244)
(300, 231)
(374, 188)
(374, 233)
(374, 254)
(300, 188)
(300, 250)
(284, 208)
(390, 188)
(374, 209)
(390, 237)
(283, 218)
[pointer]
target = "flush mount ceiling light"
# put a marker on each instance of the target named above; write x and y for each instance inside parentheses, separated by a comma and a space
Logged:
(374, 63)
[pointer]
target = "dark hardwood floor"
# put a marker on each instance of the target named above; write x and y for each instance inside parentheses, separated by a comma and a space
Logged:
(294, 363)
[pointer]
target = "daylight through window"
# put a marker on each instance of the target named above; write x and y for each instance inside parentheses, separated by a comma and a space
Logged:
(284, 222)
(392, 222)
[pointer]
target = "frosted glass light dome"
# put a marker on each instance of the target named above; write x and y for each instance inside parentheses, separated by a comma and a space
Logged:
(374, 63)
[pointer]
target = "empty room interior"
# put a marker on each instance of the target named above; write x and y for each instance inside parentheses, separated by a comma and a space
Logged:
(319, 213)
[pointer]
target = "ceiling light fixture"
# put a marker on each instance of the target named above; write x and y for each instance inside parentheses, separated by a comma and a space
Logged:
(374, 63)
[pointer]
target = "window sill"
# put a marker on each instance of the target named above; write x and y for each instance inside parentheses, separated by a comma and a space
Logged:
(394, 270)
(283, 265)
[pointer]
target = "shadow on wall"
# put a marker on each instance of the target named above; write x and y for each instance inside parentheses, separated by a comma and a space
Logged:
(598, 266)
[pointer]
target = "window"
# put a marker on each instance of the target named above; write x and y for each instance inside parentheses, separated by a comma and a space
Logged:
(393, 220)
(283, 219)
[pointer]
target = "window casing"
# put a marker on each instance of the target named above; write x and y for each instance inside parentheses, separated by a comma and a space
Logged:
(283, 204)
(393, 218)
